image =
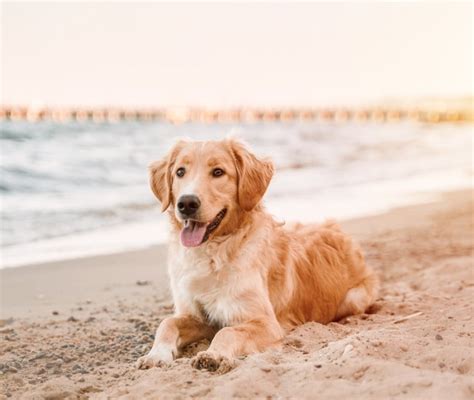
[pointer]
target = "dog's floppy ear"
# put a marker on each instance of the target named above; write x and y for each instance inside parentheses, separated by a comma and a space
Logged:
(161, 178)
(254, 175)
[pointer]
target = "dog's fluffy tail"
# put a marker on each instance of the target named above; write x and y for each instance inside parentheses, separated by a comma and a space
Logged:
(361, 297)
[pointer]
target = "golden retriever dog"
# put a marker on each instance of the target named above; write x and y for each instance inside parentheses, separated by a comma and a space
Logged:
(237, 276)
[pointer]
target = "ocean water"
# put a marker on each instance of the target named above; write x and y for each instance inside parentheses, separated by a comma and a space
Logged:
(80, 188)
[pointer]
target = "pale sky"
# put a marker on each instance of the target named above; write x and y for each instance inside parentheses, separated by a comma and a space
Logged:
(209, 54)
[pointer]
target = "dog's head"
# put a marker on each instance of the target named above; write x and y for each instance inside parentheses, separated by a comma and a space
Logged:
(209, 186)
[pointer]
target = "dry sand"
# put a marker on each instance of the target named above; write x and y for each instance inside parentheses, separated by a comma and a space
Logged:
(74, 329)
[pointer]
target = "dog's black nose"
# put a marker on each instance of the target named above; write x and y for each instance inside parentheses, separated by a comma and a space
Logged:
(188, 205)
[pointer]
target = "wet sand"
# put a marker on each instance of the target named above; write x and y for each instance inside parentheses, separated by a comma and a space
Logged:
(73, 329)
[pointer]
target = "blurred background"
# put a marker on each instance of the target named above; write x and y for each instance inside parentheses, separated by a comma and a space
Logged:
(362, 106)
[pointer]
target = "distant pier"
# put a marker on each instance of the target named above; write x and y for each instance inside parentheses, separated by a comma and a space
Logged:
(235, 115)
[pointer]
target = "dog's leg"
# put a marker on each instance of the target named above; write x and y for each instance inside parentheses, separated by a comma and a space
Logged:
(173, 334)
(230, 342)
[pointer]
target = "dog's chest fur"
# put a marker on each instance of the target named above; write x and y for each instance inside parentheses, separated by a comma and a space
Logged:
(210, 285)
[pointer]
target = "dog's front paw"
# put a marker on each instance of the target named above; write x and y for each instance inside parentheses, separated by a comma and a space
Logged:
(212, 361)
(157, 357)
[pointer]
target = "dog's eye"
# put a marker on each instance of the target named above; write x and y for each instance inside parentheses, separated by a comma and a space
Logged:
(180, 172)
(216, 172)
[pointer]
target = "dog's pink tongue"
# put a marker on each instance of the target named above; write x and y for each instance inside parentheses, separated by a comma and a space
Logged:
(193, 234)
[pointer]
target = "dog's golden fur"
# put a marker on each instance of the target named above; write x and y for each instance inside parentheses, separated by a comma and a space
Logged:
(254, 278)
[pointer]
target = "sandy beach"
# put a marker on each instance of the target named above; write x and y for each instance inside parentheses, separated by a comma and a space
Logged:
(73, 329)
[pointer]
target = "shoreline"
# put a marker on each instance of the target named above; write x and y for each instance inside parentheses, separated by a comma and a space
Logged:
(137, 236)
